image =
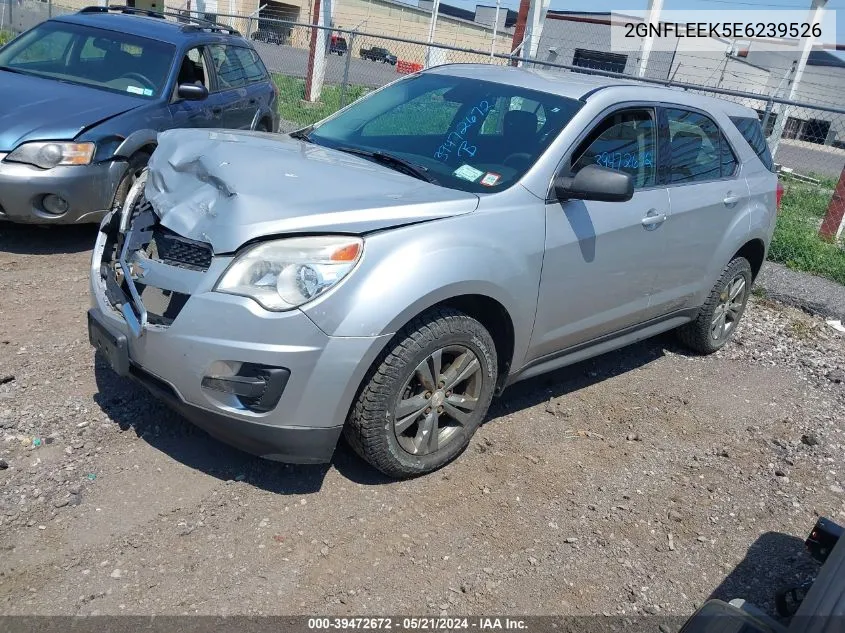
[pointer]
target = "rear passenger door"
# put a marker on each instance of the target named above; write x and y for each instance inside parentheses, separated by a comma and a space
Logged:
(260, 92)
(706, 196)
(231, 96)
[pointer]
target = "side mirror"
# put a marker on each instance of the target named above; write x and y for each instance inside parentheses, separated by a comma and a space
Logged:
(192, 92)
(594, 182)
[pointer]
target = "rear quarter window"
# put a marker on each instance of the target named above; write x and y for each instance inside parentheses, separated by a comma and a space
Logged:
(752, 132)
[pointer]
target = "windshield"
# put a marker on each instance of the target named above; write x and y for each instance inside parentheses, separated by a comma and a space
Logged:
(107, 60)
(467, 134)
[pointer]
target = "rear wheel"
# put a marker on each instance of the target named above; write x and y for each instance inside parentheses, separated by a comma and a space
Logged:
(719, 316)
(421, 404)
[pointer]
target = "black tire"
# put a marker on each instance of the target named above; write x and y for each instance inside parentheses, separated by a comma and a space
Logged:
(137, 163)
(262, 126)
(370, 428)
(702, 335)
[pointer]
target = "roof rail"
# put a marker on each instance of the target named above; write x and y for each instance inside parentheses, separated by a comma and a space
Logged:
(190, 22)
(122, 9)
(195, 23)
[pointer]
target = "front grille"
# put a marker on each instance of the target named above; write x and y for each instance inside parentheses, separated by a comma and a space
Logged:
(175, 250)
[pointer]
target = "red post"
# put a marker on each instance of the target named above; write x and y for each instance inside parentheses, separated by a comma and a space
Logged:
(519, 27)
(835, 211)
(312, 51)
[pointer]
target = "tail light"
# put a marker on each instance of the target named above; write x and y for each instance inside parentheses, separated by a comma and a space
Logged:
(779, 194)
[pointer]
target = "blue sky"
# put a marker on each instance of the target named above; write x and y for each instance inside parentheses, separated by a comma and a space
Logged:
(629, 5)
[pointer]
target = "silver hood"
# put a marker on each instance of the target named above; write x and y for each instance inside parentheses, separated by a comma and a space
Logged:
(226, 188)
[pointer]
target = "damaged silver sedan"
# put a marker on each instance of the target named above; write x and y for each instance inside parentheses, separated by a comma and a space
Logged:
(386, 271)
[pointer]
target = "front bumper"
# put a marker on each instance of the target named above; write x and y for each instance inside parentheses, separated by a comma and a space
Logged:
(215, 335)
(88, 189)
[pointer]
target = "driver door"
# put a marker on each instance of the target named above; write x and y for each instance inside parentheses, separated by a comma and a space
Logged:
(602, 258)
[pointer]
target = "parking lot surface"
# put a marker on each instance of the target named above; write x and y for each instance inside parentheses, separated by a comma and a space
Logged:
(293, 62)
(643, 481)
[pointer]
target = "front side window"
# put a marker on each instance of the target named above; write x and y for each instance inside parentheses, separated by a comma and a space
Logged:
(698, 149)
(107, 60)
(626, 141)
(463, 133)
(193, 70)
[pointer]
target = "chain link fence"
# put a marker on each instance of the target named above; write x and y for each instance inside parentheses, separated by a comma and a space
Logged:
(804, 124)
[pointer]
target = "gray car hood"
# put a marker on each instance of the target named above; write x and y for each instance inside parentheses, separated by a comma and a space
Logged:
(227, 188)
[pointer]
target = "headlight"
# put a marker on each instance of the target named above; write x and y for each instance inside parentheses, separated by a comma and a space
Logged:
(47, 155)
(285, 274)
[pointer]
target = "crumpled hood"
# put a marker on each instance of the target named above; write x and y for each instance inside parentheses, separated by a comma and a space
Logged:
(226, 188)
(38, 109)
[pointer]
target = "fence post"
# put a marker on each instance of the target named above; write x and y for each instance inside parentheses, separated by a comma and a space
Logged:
(49, 8)
(833, 220)
(770, 104)
(345, 83)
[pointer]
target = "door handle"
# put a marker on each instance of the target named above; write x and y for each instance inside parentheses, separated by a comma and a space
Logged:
(252, 101)
(653, 219)
(730, 199)
(216, 110)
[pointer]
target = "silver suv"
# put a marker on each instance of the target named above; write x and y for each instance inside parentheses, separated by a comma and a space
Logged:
(386, 271)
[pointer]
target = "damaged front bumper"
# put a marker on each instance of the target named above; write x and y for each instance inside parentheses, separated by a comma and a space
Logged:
(270, 383)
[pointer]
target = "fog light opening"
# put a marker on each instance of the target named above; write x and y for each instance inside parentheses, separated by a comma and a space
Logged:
(55, 204)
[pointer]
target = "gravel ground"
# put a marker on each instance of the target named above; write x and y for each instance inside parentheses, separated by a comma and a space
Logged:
(644, 481)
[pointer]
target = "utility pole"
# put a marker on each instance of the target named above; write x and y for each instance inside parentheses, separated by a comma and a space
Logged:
(655, 7)
(519, 28)
(495, 29)
(806, 46)
(432, 27)
(534, 27)
(316, 68)
(834, 219)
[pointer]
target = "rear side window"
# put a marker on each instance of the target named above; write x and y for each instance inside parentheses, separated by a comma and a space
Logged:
(752, 132)
(695, 144)
(253, 69)
(230, 72)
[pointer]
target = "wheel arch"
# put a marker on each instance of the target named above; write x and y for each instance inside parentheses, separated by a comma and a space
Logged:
(484, 309)
(754, 251)
(140, 140)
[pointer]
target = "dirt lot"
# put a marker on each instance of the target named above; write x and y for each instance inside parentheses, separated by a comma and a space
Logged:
(563, 504)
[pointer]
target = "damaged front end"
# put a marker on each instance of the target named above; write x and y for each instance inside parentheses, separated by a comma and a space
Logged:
(131, 241)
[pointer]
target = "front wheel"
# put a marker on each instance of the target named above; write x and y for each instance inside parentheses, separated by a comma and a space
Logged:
(136, 165)
(424, 399)
(719, 316)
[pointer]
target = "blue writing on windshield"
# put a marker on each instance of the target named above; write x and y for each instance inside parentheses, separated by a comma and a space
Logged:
(456, 138)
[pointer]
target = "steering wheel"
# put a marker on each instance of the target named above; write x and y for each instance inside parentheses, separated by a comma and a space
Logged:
(517, 160)
(138, 77)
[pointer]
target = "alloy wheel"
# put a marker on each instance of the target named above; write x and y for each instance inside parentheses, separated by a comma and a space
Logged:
(438, 400)
(729, 309)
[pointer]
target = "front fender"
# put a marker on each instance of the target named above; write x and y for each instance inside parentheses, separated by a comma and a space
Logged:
(135, 141)
(407, 270)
